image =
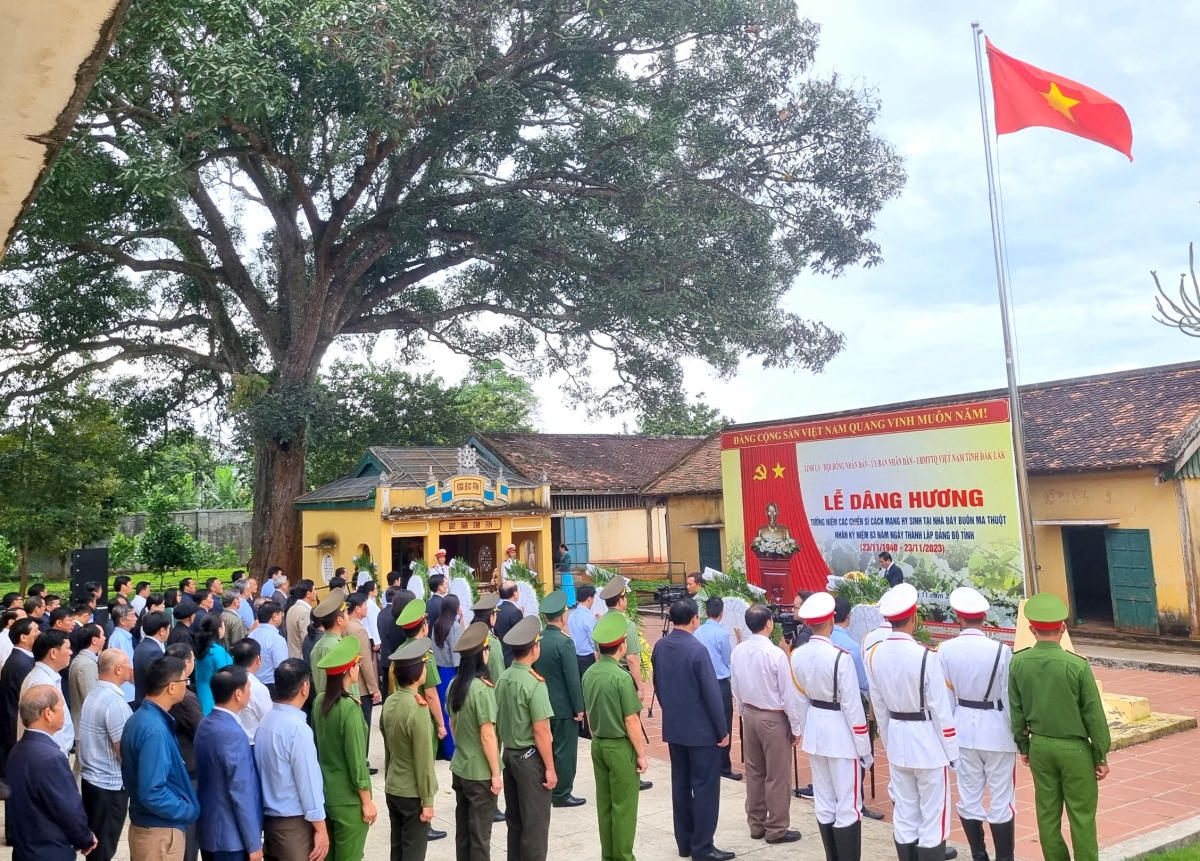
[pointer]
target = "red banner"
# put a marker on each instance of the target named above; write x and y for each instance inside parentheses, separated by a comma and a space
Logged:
(773, 511)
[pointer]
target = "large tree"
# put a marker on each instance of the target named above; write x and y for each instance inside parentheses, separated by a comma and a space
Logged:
(542, 179)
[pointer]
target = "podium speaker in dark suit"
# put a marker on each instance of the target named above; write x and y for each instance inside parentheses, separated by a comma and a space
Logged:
(890, 570)
(507, 615)
(693, 726)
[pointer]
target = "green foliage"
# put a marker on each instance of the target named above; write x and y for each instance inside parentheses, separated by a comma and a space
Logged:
(228, 557)
(59, 474)
(422, 570)
(363, 562)
(459, 568)
(862, 589)
(124, 552)
(167, 545)
(674, 416)
(520, 571)
(366, 405)
(8, 558)
(733, 585)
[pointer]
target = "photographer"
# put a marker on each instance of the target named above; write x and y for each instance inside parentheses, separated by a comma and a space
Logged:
(795, 632)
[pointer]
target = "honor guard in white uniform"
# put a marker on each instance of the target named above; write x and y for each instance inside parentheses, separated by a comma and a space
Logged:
(825, 690)
(441, 567)
(916, 722)
(976, 670)
(874, 638)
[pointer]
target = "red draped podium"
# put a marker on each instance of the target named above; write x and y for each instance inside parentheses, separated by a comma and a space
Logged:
(770, 474)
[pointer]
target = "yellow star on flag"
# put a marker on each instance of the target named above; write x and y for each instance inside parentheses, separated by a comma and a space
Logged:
(778, 470)
(1060, 102)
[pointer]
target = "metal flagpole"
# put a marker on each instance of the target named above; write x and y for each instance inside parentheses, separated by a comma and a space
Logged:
(1014, 395)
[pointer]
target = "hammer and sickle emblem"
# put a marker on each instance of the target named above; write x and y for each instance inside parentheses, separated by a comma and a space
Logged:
(760, 472)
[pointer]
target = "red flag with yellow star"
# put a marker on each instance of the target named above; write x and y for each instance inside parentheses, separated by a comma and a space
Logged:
(1025, 96)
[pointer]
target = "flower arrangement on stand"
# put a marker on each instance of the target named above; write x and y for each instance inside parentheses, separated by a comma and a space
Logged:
(459, 568)
(775, 548)
(520, 572)
(421, 569)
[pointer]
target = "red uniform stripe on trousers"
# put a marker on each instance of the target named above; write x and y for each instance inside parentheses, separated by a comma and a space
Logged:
(945, 803)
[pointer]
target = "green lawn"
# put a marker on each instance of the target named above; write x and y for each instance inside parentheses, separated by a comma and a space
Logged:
(1185, 853)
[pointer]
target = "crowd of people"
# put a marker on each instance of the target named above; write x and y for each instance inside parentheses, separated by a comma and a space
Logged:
(234, 723)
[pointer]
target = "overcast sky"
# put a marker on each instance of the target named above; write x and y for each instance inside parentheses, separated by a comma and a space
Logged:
(1085, 226)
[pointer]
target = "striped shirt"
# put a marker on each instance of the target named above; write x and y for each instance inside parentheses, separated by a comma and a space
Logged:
(101, 725)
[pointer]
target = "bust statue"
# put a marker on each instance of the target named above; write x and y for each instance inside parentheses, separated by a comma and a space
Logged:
(773, 528)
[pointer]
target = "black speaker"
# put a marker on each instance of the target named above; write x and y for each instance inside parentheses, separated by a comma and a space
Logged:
(89, 566)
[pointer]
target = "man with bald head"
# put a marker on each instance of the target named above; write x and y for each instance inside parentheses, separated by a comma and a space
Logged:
(44, 810)
(101, 725)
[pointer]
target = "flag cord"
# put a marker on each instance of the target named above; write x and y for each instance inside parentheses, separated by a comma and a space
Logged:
(1014, 394)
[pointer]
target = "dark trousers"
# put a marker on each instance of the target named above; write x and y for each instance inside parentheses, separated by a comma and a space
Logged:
(526, 805)
(474, 809)
(191, 848)
(106, 810)
(584, 662)
(565, 734)
(205, 855)
(410, 836)
(367, 707)
(287, 838)
(727, 702)
(695, 796)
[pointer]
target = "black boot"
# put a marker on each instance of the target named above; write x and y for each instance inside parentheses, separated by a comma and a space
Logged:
(906, 851)
(932, 853)
(975, 837)
(849, 842)
(828, 841)
(1005, 837)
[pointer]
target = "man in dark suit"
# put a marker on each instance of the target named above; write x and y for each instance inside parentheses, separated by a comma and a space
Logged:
(693, 726)
(44, 809)
(18, 665)
(890, 570)
(507, 615)
(157, 626)
(231, 806)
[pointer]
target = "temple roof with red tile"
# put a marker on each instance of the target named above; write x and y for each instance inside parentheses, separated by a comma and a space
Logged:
(698, 471)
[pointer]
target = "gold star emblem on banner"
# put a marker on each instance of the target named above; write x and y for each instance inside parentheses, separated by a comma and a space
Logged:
(778, 470)
(1058, 101)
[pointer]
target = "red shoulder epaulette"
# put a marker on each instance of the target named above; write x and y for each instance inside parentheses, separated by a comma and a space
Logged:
(421, 701)
(536, 676)
(488, 683)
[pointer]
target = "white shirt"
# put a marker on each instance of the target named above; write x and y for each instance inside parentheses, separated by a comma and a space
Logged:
(444, 570)
(967, 662)
(894, 670)
(371, 622)
(138, 603)
(6, 647)
(43, 675)
(874, 638)
(260, 703)
(761, 677)
(835, 734)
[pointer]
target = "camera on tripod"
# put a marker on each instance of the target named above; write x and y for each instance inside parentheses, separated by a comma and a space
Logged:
(664, 596)
(785, 618)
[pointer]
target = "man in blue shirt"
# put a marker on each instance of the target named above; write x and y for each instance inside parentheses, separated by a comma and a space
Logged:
(716, 639)
(274, 646)
(230, 823)
(293, 794)
(162, 802)
(580, 624)
(123, 619)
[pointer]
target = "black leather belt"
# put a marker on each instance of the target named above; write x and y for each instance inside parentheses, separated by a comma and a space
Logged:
(982, 705)
(910, 716)
(825, 704)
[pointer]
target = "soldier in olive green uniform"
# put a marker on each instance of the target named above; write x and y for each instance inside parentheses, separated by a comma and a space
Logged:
(618, 757)
(408, 741)
(1060, 728)
(416, 626)
(477, 780)
(485, 611)
(523, 715)
(614, 597)
(326, 615)
(557, 665)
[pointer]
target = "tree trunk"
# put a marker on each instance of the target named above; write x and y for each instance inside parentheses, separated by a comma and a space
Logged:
(275, 527)
(23, 568)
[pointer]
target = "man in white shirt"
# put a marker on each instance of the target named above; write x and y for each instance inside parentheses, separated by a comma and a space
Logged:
(6, 645)
(273, 648)
(916, 723)
(976, 669)
(371, 622)
(51, 655)
(441, 567)
(141, 593)
(101, 726)
(761, 680)
(247, 653)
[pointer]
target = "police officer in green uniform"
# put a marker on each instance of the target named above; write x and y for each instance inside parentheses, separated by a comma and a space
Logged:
(485, 611)
(475, 768)
(557, 665)
(408, 743)
(618, 755)
(523, 715)
(1060, 728)
(614, 597)
(416, 626)
(329, 616)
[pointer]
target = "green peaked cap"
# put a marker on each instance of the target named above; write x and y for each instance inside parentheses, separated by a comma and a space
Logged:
(554, 604)
(344, 652)
(610, 630)
(1046, 607)
(412, 611)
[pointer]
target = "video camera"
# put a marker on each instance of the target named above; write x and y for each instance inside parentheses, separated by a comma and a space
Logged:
(664, 596)
(784, 617)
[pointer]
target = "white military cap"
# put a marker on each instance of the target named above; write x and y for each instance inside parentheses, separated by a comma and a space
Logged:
(817, 609)
(898, 603)
(968, 603)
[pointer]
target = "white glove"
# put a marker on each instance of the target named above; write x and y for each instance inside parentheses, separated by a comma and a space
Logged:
(866, 761)
(954, 765)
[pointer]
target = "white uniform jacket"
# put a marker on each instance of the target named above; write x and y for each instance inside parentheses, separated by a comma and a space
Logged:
(894, 671)
(838, 734)
(874, 638)
(967, 662)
